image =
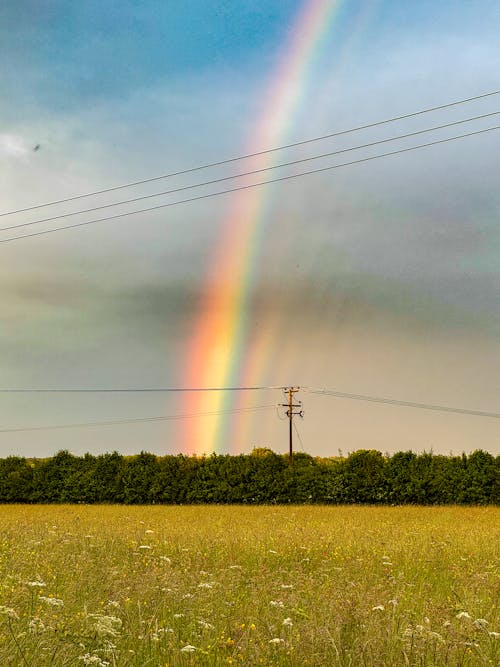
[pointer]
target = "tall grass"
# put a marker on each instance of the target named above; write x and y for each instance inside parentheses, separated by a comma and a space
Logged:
(218, 585)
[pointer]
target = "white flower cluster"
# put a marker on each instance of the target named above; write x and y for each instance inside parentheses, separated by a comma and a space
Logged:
(92, 659)
(36, 626)
(8, 611)
(53, 602)
(106, 626)
(188, 649)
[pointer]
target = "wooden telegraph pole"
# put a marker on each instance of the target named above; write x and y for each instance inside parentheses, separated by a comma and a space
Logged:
(290, 405)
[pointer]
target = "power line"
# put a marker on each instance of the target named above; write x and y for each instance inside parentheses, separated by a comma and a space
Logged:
(131, 390)
(138, 420)
(250, 186)
(251, 155)
(406, 404)
(252, 172)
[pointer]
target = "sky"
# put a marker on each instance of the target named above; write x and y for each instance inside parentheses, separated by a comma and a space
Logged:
(379, 278)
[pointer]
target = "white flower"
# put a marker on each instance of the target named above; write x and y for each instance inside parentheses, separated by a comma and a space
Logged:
(90, 659)
(379, 607)
(36, 625)
(288, 622)
(8, 611)
(205, 625)
(106, 626)
(36, 584)
(113, 603)
(188, 648)
(277, 603)
(53, 602)
(276, 641)
(205, 585)
(463, 614)
(166, 559)
(178, 615)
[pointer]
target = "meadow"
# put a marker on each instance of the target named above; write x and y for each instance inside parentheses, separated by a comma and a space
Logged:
(271, 585)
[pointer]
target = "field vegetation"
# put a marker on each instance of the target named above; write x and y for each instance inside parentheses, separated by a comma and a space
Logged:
(246, 585)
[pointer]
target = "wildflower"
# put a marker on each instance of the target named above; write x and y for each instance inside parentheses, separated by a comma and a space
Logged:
(277, 603)
(166, 559)
(178, 615)
(379, 607)
(188, 649)
(92, 659)
(288, 622)
(36, 584)
(8, 611)
(53, 602)
(36, 625)
(205, 584)
(113, 603)
(205, 625)
(106, 625)
(276, 641)
(463, 614)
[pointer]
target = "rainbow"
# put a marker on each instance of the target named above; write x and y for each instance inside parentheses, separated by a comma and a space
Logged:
(216, 352)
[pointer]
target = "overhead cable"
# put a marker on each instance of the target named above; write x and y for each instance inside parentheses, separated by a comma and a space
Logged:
(252, 172)
(138, 420)
(122, 390)
(258, 153)
(250, 186)
(406, 404)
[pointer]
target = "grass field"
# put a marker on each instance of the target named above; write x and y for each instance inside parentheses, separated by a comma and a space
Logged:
(219, 585)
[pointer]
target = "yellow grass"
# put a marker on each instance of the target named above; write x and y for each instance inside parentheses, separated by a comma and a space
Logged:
(90, 585)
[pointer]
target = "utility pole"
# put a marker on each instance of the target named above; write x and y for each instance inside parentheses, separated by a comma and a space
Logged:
(290, 413)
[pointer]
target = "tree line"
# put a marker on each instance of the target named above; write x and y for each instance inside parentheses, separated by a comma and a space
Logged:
(364, 476)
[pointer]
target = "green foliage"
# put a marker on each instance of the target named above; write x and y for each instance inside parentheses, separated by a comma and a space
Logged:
(263, 477)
